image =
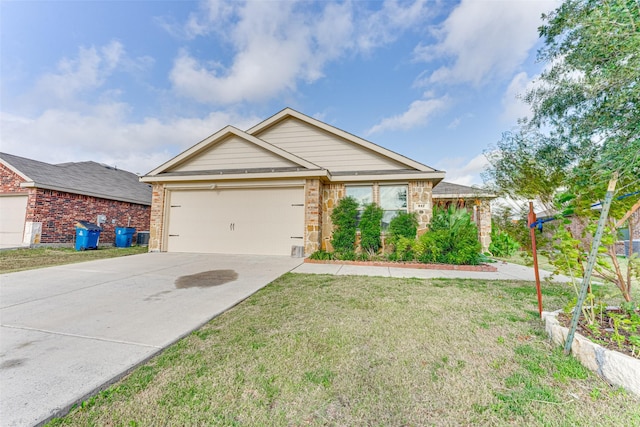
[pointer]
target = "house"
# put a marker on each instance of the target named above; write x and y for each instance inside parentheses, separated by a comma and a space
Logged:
(41, 202)
(271, 189)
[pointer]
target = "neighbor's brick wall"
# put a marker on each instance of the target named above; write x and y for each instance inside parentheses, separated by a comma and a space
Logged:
(313, 216)
(10, 181)
(58, 212)
(157, 218)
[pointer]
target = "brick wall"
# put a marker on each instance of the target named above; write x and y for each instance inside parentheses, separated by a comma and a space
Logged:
(10, 182)
(58, 212)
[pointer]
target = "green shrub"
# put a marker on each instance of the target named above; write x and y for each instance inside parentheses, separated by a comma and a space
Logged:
(402, 225)
(502, 244)
(370, 228)
(452, 238)
(321, 255)
(344, 218)
(404, 249)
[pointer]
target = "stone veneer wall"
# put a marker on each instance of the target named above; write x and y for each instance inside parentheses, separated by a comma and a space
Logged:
(157, 218)
(312, 216)
(331, 194)
(421, 192)
(484, 224)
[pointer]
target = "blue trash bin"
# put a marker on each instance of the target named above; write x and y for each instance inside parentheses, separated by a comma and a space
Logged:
(87, 235)
(124, 236)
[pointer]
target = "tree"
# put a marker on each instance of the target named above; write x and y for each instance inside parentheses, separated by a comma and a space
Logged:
(585, 124)
(528, 165)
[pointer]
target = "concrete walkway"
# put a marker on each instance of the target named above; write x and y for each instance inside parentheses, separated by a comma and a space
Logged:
(506, 271)
(68, 331)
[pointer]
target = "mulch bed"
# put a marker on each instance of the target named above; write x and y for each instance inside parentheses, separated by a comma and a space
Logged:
(602, 333)
(482, 267)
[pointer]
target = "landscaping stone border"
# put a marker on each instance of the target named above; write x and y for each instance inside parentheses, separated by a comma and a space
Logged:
(482, 267)
(614, 367)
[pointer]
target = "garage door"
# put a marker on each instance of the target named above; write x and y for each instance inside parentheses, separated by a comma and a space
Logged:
(12, 215)
(236, 221)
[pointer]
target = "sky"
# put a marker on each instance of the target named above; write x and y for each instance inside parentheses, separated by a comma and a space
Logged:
(134, 83)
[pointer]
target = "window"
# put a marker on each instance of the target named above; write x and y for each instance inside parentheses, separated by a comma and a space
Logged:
(363, 195)
(393, 199)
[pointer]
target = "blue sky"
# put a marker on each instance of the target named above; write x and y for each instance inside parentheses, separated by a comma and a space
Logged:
(133, 83)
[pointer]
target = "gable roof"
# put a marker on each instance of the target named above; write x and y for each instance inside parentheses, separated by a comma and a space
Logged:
(86, 178)
(271, 150)
(220, 136)
(449, 190)
(357, 141)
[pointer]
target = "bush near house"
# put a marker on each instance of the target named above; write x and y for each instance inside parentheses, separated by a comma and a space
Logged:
(451, 238)
(370, 229)
(345, 223)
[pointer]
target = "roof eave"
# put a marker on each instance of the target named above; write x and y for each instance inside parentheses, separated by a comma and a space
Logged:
(432, 176)
(464, 196)
(32, 184)
(314, 173)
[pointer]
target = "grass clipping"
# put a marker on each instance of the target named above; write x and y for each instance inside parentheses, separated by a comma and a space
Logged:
(339, 350)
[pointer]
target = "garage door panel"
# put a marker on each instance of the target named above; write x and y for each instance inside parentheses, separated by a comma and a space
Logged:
(242, 221)
(12, 218)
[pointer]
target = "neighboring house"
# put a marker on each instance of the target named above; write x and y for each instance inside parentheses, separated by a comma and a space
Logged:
(271, 189)
(41, 202)
(475, 200)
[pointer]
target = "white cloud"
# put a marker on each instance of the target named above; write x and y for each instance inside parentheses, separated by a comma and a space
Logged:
(276, 48)
(514, 107)
(464, 171)
(483, 39)
(104, 135)
(88, 71)
(418, 114)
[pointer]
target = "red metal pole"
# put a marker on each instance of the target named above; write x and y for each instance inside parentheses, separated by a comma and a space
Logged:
(532, 233)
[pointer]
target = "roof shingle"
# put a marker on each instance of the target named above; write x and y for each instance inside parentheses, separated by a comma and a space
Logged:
(87, 178)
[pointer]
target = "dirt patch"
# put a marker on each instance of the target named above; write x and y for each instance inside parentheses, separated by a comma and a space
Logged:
(206, 279)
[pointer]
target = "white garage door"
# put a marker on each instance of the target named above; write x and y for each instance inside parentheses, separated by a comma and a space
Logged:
(266, 221)
(13, 211)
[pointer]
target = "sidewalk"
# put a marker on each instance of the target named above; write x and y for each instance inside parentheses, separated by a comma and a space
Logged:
(506, 271)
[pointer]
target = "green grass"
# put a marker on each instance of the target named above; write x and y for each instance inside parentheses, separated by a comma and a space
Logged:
(340, 350)
(28, 259)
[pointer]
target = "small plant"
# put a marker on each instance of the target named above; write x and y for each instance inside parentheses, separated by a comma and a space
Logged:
(344, 218)
(404, 249)
(502, 244)
(402, 225)
(452, 238)
(321, 255)
(370, 228)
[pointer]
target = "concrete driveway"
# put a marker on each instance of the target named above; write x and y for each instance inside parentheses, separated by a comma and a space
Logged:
(67, 331)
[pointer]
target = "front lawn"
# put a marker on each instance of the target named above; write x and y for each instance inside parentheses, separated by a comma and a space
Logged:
(28, 259)
(345, 350)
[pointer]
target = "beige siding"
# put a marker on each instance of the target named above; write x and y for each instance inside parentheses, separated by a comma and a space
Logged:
(328, 151)
(233, 153)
